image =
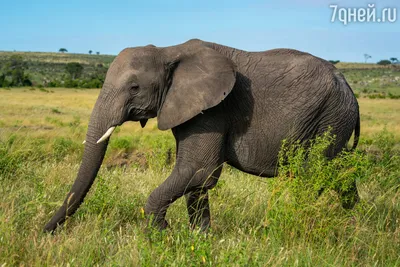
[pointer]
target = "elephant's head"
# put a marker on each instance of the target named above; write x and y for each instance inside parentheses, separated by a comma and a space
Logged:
(173, 83)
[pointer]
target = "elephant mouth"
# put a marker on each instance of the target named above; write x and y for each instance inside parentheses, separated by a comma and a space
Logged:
(138, 114)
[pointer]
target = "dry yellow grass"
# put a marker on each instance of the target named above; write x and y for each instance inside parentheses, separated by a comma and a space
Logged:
(349, 65)
(25, 110)
(379, 113)
(24, 107)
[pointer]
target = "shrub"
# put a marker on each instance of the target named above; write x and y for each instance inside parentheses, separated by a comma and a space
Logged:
(71, 83)
(384, 62)
(392, 96)
(305, 198)
(378, 96)
(63, 147)
(13, 72)
(74, 69)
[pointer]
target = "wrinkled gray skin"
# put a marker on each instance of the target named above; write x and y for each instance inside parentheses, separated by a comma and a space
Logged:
(223, 105)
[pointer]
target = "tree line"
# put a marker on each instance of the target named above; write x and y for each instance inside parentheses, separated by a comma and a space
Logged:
(64, 50)
(384, 62)
(13, 73)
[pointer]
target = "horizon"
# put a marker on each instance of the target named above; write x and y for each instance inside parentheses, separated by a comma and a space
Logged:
(253, 26)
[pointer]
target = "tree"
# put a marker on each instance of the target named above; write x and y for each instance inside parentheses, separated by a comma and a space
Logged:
(97, 53)
(366, 57)
(334, 62)
(384, 62)
(394, 60)
(63, 50)
(74, 69)
(13, 72)
(90, 52)
(2, 80)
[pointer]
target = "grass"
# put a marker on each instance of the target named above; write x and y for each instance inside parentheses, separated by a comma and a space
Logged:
(255, 221)
(361, 66)
(384, 81)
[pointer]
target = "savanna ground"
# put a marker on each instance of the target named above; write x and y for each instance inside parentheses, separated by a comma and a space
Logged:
(255, 221)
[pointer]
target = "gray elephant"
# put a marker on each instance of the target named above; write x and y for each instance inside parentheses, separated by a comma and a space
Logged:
(222, 105)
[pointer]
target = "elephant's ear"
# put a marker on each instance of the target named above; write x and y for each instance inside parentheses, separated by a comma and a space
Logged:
(201, 79)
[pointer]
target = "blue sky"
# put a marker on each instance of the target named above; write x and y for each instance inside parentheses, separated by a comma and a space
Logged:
(110, 26)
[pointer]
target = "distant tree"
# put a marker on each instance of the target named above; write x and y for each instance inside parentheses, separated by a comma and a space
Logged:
(74, 69)
(13, 72)
(394, 60)
(384, 62)
(366, 57)
(334, 62)
(90, 52)
(63, 50)
(15, 68)
(2, 80)
(97, 53)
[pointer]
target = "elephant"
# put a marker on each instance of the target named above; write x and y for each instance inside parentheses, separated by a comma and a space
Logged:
(223, 105)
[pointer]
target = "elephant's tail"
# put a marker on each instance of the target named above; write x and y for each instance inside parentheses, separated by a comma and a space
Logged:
(356, 133)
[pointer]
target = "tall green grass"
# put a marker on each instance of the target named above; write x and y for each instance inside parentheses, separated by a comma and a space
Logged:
(283, 221)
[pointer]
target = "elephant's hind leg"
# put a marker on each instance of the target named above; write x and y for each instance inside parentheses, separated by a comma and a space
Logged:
(198, 209)
(197, 203)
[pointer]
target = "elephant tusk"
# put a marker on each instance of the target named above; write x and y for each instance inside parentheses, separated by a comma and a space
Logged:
(106, 135)
(84, 141)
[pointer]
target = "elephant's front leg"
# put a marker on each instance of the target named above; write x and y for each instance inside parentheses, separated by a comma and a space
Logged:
(184, 181)
(175, 186)
(198, 167)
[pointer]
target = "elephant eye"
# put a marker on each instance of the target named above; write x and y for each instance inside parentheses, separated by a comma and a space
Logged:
(134, 87)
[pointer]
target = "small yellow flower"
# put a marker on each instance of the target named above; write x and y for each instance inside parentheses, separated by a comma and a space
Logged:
(203, 259)
(192, 247)
(142, 212)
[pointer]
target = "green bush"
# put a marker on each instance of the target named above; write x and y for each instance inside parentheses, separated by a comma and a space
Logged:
(377, 96)
(62, 147)
(16, 152)
(392, 96)
(55, 83)
(74, 69)
(305, 202)
(384, 62)
(127, 144)
(161, 155)
(13, 72)
(334, 62)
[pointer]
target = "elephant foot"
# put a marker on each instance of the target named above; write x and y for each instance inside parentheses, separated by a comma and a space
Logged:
(157, 223)
(350, 197)
(201, 222)
(203, 227)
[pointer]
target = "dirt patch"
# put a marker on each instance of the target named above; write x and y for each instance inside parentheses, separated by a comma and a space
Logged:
(126, 160)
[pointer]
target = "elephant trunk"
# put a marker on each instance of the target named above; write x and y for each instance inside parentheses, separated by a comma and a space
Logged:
(92, 159)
